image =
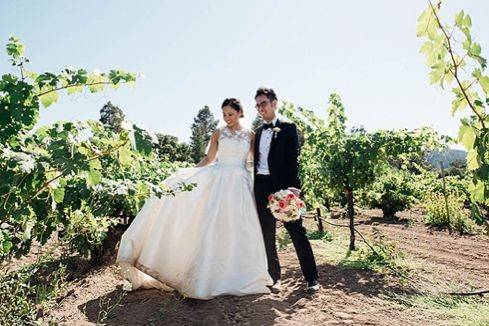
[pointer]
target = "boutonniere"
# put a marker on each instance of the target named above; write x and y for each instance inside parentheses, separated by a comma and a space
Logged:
(275, 130)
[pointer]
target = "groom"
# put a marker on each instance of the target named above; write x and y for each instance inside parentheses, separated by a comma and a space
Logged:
(277, 168)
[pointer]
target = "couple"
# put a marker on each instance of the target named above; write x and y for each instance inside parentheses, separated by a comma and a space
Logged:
(214, 240)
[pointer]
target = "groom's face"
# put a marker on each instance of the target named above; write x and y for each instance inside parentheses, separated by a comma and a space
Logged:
(265, 107)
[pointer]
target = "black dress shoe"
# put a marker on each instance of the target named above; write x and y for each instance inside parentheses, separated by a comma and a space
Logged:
(312, 286)
(277, 286)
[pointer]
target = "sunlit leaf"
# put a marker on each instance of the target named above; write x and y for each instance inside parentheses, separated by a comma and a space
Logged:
(472, 160)
(58, 195)
(466, 136)
(93, 177)
(49, 98)
(484, 81)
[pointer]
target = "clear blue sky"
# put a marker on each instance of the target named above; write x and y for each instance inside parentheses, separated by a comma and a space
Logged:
(196, 53)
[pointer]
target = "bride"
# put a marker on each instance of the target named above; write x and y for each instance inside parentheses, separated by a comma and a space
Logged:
(207, 241)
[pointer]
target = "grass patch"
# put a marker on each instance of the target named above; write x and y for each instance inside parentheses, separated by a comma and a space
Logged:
(28, 292)
(456, 310)
(108, 306)
(386, 259)
(325, 236)
(283, 239)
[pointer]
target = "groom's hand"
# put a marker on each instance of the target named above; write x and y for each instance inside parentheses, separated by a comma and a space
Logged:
(295, 191)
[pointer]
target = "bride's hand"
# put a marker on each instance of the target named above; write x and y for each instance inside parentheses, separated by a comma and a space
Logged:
(212, 152)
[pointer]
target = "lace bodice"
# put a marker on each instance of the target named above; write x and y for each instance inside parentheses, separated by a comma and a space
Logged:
(233, 146)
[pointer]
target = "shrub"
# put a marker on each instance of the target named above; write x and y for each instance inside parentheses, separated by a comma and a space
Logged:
(392, 192)
(430, 183)
(457, 218)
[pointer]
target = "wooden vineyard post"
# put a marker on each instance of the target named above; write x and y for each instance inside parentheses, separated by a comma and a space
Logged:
(445, 191)
(319, 221)
(351, 215)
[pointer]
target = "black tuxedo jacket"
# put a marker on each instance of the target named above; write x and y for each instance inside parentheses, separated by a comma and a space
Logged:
(283, 161)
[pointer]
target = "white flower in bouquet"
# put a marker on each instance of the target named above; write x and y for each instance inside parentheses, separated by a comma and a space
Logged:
(286, 206)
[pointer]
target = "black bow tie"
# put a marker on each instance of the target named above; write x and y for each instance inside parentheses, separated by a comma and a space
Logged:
(267, 125)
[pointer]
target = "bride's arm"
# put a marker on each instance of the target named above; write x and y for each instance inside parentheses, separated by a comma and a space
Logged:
(252, 144)
(249, 161)
(212, 152)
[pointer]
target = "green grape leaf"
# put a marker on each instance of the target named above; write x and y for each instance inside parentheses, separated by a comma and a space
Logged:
(475, 49)
(93, 177)
(58, 195)
(437, 72)
(459, 17)
(477, 191)
(74, 89)
(31, 74)
(427, 48)
(423, 20)
(125, 156)
(466, 136)
(96, 82)
(484, 81)
(95, 164)
(15, 48)
(467, 22)
(49, 98)
(472, 161)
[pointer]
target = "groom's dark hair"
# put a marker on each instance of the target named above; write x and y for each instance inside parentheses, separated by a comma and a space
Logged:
(268, 92)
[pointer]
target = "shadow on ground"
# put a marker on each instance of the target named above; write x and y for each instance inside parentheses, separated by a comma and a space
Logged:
(154, 307)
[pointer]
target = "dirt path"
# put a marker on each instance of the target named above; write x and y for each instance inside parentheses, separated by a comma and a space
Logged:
(458, 262)
(347, 296)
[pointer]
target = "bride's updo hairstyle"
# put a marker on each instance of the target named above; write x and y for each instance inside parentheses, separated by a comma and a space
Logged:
(235, 104)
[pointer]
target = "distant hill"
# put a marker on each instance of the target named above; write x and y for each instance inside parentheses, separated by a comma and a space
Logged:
(447, 157)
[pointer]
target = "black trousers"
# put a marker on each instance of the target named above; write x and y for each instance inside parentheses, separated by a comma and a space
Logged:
(263, 188)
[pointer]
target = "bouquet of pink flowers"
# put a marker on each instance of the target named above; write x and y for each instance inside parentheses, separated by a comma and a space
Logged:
(286, 206)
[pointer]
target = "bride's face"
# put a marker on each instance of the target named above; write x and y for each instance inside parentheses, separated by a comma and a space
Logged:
(230, 116)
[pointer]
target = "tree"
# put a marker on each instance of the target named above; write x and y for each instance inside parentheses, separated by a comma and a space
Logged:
(202, 127)
(169, 148)
(455, 60)
(338, 162)
(111, 116)
(457, 168)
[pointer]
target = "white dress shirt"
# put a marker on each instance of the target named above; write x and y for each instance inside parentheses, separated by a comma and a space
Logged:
(264, 149)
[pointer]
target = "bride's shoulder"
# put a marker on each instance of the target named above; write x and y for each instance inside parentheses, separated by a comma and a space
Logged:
(250, 133)
(216, 133)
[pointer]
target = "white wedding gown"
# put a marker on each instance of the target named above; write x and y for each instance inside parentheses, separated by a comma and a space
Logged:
(204, 242)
